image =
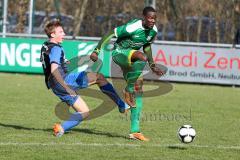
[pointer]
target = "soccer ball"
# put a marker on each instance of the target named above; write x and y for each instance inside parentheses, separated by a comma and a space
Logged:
(186, 133)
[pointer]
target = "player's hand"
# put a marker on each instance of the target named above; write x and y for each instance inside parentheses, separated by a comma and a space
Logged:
(71, 92)
(157, 70)
(94, 57)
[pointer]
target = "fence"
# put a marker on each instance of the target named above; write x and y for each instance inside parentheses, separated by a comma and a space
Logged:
(209, 21)
(186, 62)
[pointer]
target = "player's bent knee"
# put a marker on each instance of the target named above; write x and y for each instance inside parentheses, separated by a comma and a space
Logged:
(139, 56)
(85, 114)
(144, 58)
(100, 78)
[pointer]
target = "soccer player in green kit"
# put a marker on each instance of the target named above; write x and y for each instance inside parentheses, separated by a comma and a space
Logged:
(131, 37)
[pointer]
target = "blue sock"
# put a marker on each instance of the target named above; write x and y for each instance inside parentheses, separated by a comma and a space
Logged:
(110, 91)
(73, 121)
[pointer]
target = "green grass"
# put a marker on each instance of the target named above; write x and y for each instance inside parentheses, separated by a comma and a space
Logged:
(27, 116)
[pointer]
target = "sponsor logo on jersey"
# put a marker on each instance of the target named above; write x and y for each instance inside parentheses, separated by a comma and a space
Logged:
(149, 38)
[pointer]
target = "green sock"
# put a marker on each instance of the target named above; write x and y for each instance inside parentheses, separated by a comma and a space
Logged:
(135, 115)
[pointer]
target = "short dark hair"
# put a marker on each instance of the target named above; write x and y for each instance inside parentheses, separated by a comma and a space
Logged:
(148, 9)
(50, 27)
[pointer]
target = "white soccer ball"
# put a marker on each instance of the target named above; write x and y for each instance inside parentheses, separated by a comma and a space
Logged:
(186, 133)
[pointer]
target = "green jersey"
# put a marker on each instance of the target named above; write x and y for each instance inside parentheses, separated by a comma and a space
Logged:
(133, 35)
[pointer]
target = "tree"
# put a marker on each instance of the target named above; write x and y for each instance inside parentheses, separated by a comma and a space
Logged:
(21, 10)
(78, 17)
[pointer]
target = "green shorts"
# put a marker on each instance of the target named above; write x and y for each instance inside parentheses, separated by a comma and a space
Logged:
(122, 57)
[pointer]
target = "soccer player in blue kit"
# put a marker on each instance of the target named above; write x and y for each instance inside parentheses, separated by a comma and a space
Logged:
(65, 85)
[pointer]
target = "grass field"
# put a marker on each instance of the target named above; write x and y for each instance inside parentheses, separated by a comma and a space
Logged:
(27, 115)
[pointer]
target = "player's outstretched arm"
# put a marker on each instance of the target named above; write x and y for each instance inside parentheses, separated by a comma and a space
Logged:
(56, 74)
(148, 51)
(105, 39)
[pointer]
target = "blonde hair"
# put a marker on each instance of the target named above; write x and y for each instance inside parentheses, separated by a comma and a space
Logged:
(51, 26)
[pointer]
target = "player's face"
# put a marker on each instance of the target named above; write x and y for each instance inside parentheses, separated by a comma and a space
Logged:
(58, 35)
(150, 19)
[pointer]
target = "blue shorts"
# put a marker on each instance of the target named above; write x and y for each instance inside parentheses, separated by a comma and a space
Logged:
(75, 81)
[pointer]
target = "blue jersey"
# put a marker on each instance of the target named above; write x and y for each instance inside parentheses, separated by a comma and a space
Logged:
(52, 53)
